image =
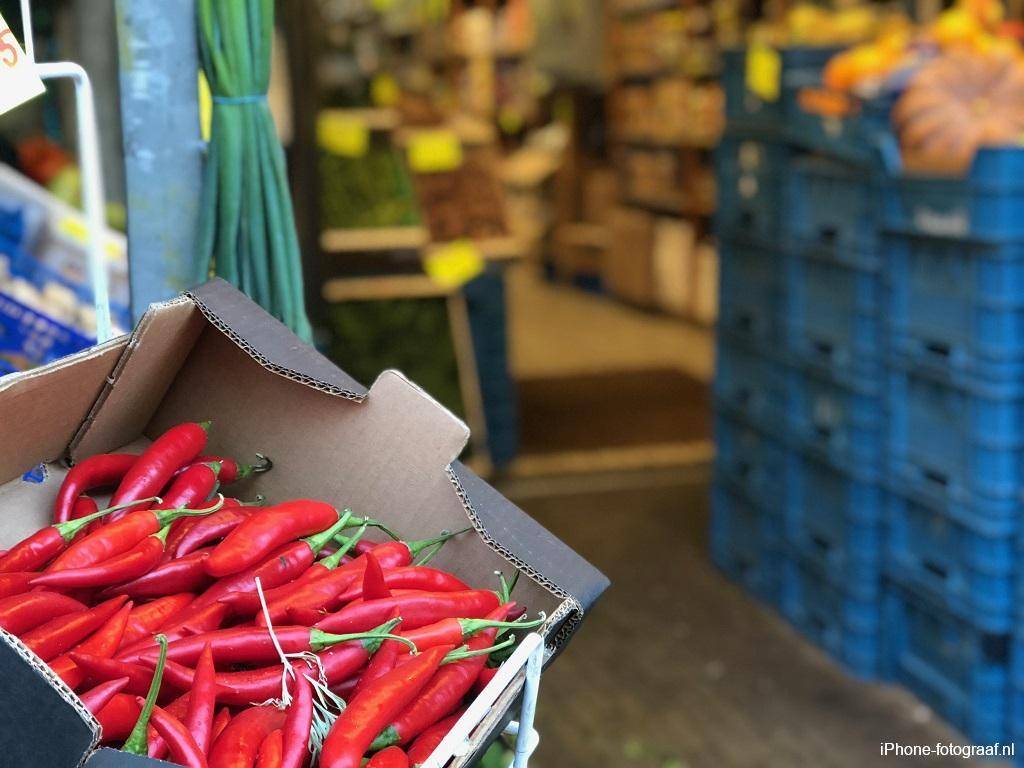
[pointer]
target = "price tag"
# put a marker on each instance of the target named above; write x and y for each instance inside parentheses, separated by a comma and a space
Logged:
(75, 228)
(435, 151)
(764, 71)
(18, 79)
(455, 264)
(343, 135)
(384, 90)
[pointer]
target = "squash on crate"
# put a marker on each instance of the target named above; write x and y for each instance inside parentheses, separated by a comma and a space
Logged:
(956, 104)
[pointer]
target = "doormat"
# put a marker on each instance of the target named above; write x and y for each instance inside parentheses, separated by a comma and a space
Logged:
(613, 410)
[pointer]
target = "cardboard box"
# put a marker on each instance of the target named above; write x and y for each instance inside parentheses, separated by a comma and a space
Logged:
(389, 452)
(627, 270)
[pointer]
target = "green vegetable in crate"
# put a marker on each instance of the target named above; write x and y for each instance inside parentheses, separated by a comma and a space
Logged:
(369, 191)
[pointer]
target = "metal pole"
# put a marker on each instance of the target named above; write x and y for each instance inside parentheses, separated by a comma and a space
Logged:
(92, 178)
(526, 738)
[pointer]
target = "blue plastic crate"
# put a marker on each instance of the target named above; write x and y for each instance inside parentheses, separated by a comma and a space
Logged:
(29, 338)
(750, 461)
(842, 422)
(848, 627)
(832, 204)
(799, 68)
(959, 444)
(751, 193)
(834, 520)
(984, 205)
(751, 385)
(957, 306)
(966, 568)
(753, 302)
(834, 323)
(853, 138)
(746, 542)
(957, 669)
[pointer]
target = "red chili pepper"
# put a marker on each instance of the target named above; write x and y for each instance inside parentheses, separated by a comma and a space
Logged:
(132, 564)
(97, 698)
(21, 613)
(103, 643)
(231, 471)
(417, 609)
(220, 722)
(42, 546)
(192, 486)
(429, 740)
(297, 724)
(147, 619)
(378, 704)
(137, 742)
(382, 662)
(88, 474)
(373, 586)
(118, 718)
(100, 669)
(282, 566)
(484, 678)
(177, 709)
(15, 583)
(239, 744)
(240, 688)
(180, 742)
(203, 701)
(267, 530)
(255, 645)
(50, 640)
(85, 506)
(118, 536)
(444, 692)
(271, 751)
(324, 594)
(415, 577)
(209, 529)
(454, 631)
(185, 574)
(206, 619)
(392, 757)
(166, 455)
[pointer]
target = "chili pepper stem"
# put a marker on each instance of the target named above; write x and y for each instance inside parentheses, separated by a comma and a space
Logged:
(71, 528)
(462, 653)
(415, 547)
(319, 640)
(320, 540)
(138, 740)
(472, 626)
(206, 426)
(334, 560)
(167, 516)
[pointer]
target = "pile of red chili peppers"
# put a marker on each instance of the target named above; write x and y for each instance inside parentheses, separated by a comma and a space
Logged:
(214, 633)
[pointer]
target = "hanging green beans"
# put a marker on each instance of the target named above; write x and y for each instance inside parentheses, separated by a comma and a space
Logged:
(247, 234)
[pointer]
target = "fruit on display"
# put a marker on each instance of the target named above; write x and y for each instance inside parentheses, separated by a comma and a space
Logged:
(956, 104)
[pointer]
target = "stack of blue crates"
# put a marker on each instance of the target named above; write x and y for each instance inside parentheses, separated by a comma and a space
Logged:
(870, 399)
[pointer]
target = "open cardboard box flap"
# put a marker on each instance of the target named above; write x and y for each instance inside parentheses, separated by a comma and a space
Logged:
(389, 452)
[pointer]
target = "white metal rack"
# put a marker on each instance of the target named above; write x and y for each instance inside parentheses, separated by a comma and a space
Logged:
(92, 174)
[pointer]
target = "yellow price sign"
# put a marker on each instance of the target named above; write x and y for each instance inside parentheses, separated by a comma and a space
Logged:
(343, 135)
(434, 151)
(455, 264)
(18, 79)
(384, 90)
(764, 71)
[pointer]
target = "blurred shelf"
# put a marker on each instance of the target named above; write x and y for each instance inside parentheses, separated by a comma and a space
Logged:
(506, 248)
(641, 7)
(381, 288)
(654, 144)
(374, 239)
(373, 118)
(668, 207)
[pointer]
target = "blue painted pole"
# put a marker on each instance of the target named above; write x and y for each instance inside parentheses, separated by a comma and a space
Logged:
(158, 63)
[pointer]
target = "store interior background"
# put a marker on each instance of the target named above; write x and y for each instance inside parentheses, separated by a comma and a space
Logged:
(582, 356)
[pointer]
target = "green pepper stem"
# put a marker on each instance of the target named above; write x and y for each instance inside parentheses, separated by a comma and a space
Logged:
(167, 516)
(261, 465)
(162, 533)
(415, 547)
(472, 626)
(206, 425)
(462, 653)
(319, 640)
(320, 540)
(332, 562)
(138, 740)
(68, 530)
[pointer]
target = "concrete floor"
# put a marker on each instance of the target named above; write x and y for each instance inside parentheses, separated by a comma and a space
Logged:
(678, 668)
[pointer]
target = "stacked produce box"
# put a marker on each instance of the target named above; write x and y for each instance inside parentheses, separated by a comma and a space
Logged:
(870, 406)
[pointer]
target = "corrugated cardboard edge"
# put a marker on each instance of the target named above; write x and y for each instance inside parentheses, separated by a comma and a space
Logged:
(563, 622)
(60, 686)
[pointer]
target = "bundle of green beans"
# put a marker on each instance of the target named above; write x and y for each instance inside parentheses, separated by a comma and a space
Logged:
(247, 231)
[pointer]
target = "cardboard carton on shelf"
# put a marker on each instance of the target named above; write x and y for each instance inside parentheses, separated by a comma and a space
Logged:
(213, 354)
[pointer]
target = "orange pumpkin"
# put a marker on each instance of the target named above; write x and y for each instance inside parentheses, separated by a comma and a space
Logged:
(957, 103)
